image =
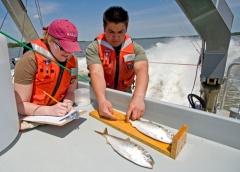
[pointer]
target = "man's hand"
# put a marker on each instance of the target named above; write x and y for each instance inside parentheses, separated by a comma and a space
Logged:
(135, 110)
(136, 107)
(106, 110)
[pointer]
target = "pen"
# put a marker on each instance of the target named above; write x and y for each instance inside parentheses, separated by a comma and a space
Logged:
(50, 96)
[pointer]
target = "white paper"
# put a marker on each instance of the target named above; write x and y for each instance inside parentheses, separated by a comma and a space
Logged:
(48, 119)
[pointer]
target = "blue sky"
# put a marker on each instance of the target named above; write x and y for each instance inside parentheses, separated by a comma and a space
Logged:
(152, 18)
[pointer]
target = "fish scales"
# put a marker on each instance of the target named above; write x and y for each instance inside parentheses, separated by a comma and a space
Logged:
(153, 130)
(129, 150)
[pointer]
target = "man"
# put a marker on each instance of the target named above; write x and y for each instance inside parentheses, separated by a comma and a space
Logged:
(114, 60)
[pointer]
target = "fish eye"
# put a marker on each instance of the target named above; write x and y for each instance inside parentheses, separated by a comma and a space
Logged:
(146, 153)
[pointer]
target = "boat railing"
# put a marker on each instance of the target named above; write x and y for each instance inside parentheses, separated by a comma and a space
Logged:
(226, 84)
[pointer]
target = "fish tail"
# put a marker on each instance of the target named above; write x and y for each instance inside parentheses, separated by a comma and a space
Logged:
(105, 132)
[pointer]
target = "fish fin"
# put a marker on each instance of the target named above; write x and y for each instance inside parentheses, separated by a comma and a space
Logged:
(128, 139)
(105, 131)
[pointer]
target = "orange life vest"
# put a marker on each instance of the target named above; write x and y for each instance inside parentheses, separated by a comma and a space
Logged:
(118, 71)
(50, 77)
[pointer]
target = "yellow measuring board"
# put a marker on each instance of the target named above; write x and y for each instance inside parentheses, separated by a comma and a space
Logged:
(171, 150)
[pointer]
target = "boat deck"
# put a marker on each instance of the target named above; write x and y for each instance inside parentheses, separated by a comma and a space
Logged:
(76, 147)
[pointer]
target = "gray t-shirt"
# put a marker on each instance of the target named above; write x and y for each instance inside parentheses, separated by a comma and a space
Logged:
(92, 54)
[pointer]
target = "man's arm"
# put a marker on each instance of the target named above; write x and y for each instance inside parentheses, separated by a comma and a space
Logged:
(137, 106)
(99, 87)
(98, 80)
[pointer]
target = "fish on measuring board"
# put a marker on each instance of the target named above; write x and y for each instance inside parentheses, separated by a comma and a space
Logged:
(129, 150)
(153, 130)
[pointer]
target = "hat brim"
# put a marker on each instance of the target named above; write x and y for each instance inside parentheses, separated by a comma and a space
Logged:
(70, 46)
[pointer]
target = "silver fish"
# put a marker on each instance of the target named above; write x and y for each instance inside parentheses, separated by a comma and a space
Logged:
(129, 150)
(153, 130)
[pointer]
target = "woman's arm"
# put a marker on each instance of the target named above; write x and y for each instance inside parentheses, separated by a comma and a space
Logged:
(23, 95)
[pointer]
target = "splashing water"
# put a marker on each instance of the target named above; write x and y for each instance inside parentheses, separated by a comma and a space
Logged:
(172, 82)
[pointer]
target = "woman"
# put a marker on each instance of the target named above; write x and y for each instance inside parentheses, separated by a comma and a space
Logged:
(43, 83)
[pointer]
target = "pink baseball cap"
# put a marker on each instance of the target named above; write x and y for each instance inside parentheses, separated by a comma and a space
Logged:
(66, 33)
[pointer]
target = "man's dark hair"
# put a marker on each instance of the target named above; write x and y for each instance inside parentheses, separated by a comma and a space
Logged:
(115, 14)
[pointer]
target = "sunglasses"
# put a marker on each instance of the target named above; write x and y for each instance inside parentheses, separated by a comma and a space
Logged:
(61, 48)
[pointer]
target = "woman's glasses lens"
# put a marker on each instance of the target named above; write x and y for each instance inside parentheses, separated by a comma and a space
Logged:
(61, 48)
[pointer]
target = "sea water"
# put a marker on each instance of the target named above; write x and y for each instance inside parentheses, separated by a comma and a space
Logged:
(173, 70)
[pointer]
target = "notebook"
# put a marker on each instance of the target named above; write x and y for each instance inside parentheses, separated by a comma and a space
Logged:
(53, 120)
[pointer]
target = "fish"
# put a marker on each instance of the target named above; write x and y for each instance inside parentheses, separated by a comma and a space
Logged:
(153, 130)
(129, 150)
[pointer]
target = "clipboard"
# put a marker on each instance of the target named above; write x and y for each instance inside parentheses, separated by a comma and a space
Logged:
(53, 120)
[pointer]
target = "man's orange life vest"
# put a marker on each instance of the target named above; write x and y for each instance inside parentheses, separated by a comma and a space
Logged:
(50, 77)
(118, 71)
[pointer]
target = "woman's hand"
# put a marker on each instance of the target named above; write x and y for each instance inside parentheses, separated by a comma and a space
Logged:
(69, 104)
(59, 109)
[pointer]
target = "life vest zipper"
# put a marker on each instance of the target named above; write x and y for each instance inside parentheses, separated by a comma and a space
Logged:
(117, 72)
(58, 83)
